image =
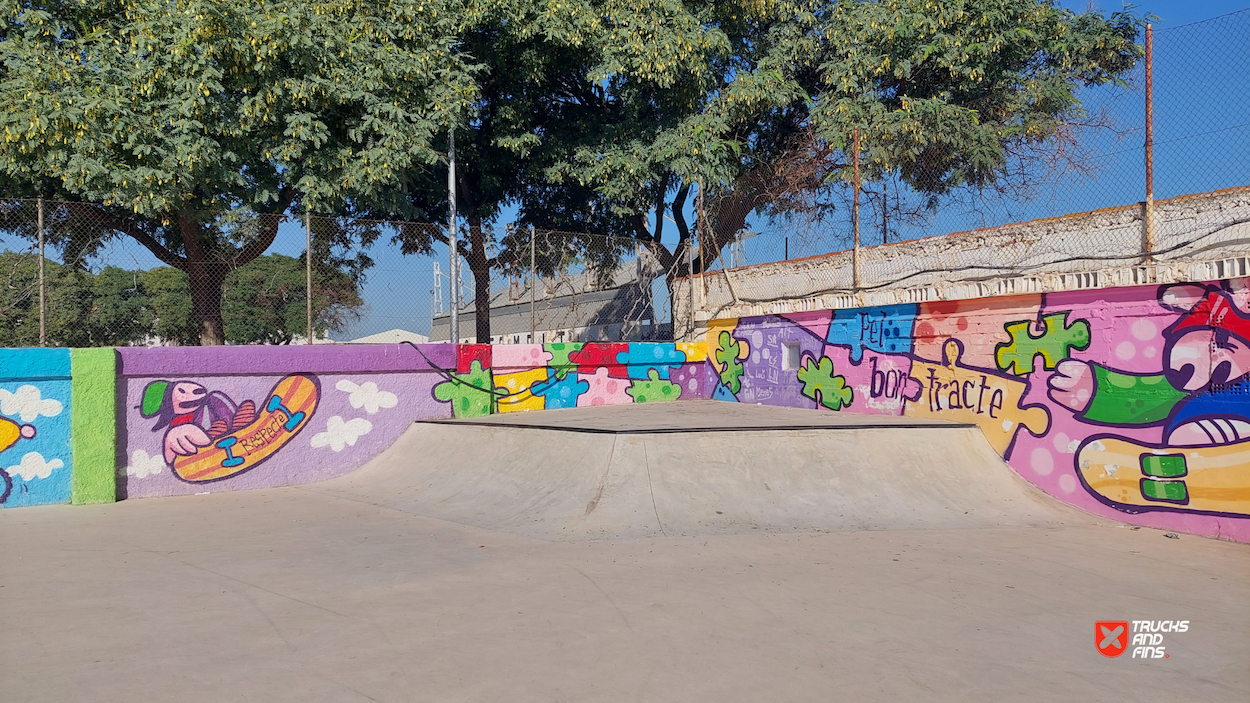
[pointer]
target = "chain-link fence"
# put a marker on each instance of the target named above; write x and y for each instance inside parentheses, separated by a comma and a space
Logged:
(783, 242)
(113, 282)
(1096, 164)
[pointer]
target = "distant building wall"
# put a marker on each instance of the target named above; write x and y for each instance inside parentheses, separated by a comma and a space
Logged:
(1198, 237)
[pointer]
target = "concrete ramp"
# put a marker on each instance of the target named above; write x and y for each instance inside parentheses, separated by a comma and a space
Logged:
(697, 468)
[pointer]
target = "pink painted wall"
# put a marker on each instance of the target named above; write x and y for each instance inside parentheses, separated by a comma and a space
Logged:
(1130, 403)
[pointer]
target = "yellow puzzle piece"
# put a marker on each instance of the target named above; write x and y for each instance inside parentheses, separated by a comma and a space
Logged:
(980, 396)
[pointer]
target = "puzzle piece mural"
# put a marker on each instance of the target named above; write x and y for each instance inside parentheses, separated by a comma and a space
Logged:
(470, 393)
(654, 389)
(951, 391)
(822, 385)
(885, 329)
(1133, 401)
(729, 355)
(1054, 344)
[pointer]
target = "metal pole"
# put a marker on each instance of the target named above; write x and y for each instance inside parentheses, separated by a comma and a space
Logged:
(690, 262)
(43, 310)
(453, 245)
(1150, 145)
(855, 211)
(308, 287)
(533, 273)
(885, 212)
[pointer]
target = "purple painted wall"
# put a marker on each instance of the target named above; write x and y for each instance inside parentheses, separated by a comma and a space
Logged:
(366, 396)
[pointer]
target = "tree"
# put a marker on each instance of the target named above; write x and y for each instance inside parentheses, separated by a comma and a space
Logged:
(265, 301)
(192, 126)
(603, 115)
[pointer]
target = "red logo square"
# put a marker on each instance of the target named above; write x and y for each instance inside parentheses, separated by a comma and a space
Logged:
(1111, 637)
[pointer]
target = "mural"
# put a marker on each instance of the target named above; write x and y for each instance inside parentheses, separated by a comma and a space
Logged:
(1123, 402)
(35, 456)
(522, 377)
(209, 437)
(227, 423)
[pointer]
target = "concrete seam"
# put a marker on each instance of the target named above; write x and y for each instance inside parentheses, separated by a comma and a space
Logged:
(651, 489)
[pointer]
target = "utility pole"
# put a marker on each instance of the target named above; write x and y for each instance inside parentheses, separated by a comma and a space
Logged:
(452, 245)
(308, 291)
(533, 318)
(855, 211)
(43, 310)
(1150, 146)
(885, 212)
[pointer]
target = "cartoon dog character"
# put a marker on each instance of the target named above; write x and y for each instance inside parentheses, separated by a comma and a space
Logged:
(1201, 398)
(195, 417)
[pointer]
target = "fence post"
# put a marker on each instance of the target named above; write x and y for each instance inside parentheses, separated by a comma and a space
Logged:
(855, 211)
(690, 265)
(533, 278)
(43, 311)
(308, 287)
(453, 273)
(1150, 147)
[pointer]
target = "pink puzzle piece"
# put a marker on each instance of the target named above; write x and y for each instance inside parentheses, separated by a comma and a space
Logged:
(881, 382)
(604, 389)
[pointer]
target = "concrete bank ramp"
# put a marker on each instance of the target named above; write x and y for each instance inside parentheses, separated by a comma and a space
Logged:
(696, 468)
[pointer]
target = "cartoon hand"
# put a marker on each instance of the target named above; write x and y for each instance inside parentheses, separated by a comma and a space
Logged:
(1072, 384)
(184, 440)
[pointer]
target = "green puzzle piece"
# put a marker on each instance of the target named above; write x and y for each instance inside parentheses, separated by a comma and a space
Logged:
(560, 353)
(1054, 345)
(654, 389)
(822, 386)
(465, 399)
(727, 351)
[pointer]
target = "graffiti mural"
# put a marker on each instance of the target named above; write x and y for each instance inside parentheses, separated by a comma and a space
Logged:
(522, 377)
(35, 456)
(209, 437)
(1125, 402)
(237, 418)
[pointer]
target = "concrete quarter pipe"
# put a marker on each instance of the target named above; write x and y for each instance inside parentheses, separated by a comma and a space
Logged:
(697, 468)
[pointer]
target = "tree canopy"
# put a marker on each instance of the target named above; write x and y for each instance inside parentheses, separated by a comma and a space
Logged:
(264, 303)
(602, 115)
(589, 115)
(168, 119)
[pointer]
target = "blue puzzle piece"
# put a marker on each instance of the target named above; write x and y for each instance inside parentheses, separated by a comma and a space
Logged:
(886, 329)
(722, 393)
(642, 357)
(560, 392)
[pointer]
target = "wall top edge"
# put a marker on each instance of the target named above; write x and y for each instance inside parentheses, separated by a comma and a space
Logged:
(32, 363)
(328, 359)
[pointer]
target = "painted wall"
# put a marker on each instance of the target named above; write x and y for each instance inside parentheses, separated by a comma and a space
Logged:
(36, 463)
(231, 418)
(1132, 403)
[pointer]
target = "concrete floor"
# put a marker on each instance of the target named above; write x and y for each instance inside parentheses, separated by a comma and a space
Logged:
(299, 595)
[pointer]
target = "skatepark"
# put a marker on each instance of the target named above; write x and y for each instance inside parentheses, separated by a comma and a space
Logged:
(671, 552)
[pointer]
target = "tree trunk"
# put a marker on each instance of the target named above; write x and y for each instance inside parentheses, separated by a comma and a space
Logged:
(479, 264)
(205, 277)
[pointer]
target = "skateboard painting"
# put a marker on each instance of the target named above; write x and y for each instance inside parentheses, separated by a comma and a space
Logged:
(209, 437)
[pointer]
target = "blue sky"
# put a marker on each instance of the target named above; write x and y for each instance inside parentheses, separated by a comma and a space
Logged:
(1202, 133)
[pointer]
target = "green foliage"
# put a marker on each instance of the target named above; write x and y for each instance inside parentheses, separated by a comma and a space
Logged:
(265, 301)
(177, 123)
(264, 304)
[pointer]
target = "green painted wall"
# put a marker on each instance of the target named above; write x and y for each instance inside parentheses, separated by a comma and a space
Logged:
(94, 425)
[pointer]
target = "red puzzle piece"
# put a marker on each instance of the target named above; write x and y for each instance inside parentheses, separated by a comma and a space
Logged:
(466, 354)
(594, 355)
